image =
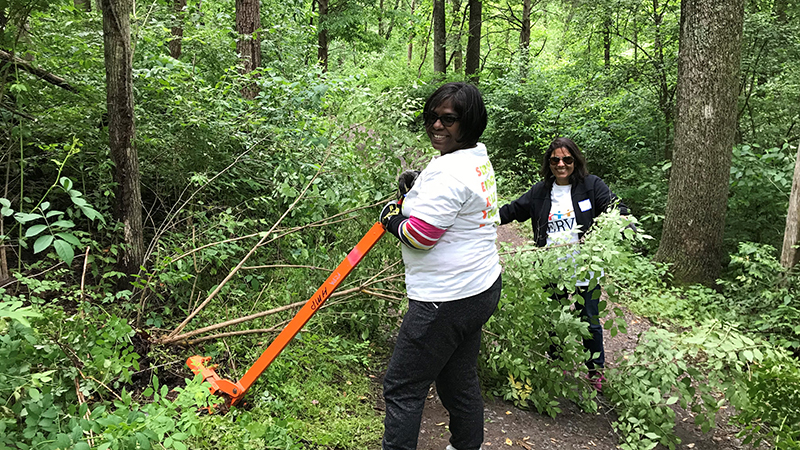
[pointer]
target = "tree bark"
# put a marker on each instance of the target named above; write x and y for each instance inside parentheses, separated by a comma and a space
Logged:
(708, 85)
(607, 43)
(177, 29)
(455, 37)
(473, 62)
(525, 39)
(121, 129)
(790, 254)
(439, 36)
(411, 38)
(525, 33)
(322, 35)
(248, 44)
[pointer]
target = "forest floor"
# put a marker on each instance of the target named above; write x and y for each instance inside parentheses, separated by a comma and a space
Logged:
(508, 427)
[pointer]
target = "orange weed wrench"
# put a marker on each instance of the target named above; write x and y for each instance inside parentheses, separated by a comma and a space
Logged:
(233, 392)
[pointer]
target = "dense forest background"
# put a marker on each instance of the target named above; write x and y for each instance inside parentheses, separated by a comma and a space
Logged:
(170, 166)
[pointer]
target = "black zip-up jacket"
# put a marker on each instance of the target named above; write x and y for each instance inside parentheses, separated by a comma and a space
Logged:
(535, 205)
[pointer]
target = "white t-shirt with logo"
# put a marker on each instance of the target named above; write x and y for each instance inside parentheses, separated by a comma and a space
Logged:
(456, 192)
(562, 227)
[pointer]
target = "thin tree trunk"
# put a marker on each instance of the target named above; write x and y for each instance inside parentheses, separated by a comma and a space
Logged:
(248, 44)
(525, 39)
(474, 42)
(455, 37)
(607, 43)
(411, 38)
(708, 85)
(790, 254)
(439, 36)
(122, 129)
(177, 29)
(322, 35)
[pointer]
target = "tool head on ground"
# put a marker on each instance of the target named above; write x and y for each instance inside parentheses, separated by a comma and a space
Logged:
(231, 392)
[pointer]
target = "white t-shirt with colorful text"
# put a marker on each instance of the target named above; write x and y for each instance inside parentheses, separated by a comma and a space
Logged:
(456, 192)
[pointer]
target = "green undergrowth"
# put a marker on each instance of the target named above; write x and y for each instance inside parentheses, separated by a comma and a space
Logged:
(732, 347)
(318, 394)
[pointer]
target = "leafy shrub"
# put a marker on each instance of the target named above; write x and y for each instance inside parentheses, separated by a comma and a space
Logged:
(761, 294)
(528, 321)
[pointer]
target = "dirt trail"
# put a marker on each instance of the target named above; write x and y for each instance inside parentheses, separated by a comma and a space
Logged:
(507, 427)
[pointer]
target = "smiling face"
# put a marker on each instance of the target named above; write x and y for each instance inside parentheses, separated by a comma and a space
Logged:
(561, 170)
(444, 138)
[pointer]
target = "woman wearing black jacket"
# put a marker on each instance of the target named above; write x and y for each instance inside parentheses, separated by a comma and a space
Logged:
(561, 209)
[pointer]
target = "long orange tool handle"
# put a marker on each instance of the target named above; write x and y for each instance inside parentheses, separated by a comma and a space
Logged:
(312, 306)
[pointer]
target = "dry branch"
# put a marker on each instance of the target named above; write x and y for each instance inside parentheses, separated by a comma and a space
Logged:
(183, 337)
(43, 74)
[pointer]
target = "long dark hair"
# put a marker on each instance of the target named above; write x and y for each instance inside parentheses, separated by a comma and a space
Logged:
(467, 102)
(579, 172)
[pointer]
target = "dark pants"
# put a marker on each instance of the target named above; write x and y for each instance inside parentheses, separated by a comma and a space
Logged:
(589, 312)
(438, 342)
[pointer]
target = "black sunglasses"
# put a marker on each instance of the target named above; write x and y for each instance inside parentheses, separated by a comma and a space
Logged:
(554, 160)
(447, 120)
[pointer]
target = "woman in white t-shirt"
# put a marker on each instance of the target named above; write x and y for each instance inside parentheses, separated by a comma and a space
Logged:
(447, 223)
(562, 208)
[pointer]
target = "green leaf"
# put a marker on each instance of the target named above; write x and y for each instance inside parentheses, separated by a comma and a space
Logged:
(53, 212)
(144, 442)
(35, 230)
(179, 436)
(69, 237)
(81, 446)
(64, 224)
(178, 445)
(5, 202)
(44, 206)
(64, 251)
(671, 401)
(26, 217)
(42, 243)
(66, 183)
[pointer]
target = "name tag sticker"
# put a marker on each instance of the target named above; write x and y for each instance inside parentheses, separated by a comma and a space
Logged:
(585, 205)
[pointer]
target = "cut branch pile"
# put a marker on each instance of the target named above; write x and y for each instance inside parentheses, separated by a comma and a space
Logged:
(177, 337)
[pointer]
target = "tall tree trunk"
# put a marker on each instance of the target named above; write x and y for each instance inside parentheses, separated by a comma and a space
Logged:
(664, 93)
(177, 29)
(790, 254)
(525, 33)
(607, 43)
(322, 35)
(380, 18)
(473, 63)
(708, 85)
(455, 37)
(411, 38)
(525, 39)
(248, 44)
(122, 129)
(439, 36)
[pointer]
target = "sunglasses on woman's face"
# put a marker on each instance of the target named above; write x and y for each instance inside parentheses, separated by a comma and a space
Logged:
(447, 120)
(554, 160)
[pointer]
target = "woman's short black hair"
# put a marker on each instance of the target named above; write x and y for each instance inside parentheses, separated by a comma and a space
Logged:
(467, 102)
(579, 172)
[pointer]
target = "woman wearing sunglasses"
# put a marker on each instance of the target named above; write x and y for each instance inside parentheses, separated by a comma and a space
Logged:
(447, 223)
(562, 208)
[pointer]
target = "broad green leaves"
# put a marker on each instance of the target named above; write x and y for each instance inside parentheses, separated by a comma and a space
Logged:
(49, 227)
